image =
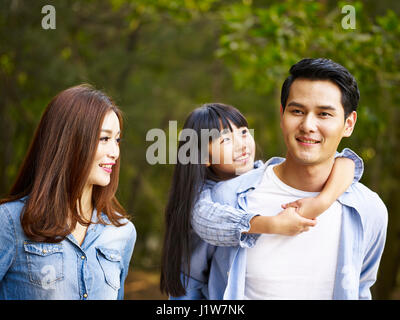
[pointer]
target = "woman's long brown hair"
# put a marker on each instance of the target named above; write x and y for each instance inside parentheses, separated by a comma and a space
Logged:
(57, 165)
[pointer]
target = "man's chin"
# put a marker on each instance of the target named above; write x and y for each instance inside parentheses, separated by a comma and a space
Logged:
(305, 158)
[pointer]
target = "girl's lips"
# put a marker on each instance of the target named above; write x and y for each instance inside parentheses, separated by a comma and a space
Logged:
(243, 159)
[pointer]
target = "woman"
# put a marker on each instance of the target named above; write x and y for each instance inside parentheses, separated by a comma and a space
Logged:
(63, 233)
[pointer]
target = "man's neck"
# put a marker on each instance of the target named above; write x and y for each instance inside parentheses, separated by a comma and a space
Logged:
(305, 177)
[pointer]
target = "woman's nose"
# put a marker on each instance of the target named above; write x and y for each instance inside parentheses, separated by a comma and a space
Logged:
(114, 150)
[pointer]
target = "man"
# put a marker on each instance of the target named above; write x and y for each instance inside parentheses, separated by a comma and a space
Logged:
(339, 257)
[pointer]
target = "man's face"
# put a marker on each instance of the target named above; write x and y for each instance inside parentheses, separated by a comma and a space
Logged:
(313, 121)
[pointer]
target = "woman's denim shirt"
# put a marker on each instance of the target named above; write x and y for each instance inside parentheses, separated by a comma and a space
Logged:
(96, 269)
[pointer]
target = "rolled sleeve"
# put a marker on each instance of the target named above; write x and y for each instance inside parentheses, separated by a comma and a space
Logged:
(221, 225)
(359, 164)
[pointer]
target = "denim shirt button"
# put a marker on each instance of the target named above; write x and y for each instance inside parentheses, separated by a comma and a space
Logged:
(85, 295)
(83, 257)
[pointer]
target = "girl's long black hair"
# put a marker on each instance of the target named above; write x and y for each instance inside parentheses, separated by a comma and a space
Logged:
(187, 183)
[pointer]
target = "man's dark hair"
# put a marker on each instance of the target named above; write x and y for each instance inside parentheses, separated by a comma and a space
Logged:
(324, 69)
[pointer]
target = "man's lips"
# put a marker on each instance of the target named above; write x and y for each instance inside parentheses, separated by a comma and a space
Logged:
(307, 141)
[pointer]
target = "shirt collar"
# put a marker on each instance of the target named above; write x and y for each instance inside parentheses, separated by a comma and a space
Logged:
(251, 179)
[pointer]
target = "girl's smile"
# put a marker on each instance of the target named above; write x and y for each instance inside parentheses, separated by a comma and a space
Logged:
(232, 153)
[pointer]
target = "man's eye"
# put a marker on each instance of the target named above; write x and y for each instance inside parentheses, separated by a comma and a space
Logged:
(325, 114)
(296, 111)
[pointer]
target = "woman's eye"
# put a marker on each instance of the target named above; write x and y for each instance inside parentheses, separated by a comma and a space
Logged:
(105, 139)
(244, 131)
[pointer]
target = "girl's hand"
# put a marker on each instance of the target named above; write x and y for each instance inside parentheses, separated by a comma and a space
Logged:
(309, 208)
(290, 223)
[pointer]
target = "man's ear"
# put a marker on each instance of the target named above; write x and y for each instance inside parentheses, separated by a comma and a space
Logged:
(350, 122)
(281, 115)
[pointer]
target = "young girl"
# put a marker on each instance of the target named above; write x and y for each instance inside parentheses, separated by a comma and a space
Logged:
(63, 233)
(190, 204)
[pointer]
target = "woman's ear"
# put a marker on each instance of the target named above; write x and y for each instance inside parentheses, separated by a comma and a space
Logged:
(350, 123)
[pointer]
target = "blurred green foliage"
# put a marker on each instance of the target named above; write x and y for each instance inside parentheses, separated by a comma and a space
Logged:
(161, 59)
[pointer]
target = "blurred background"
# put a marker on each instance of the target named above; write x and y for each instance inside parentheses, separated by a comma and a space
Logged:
(159, 59)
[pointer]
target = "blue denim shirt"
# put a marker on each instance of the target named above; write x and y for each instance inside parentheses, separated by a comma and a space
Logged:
(218, 272)
(66, 270)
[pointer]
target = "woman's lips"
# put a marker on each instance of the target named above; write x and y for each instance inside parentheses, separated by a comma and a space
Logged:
(107, 170)
(107, 167)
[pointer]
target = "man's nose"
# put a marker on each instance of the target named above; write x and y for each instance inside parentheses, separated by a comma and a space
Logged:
(309, 123)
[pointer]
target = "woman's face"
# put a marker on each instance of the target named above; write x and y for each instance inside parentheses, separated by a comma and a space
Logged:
(232, 153)
(107, 151)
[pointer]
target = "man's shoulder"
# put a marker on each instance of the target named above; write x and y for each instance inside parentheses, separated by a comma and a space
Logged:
(367, 202)
(226, 191)
(247, 180)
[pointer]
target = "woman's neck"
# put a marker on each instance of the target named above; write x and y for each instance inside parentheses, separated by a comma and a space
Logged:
(86, 203)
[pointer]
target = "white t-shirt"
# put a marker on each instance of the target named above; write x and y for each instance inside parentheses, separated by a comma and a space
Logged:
(291, 267)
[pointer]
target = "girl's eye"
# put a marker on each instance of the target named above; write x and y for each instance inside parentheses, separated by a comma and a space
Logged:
(244, 131)
(118, 140)
(226, 139)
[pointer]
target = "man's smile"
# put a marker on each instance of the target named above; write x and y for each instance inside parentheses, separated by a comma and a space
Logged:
(307, 141)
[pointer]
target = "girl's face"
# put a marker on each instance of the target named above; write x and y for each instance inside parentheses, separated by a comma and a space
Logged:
(107, 151)
(232, 153)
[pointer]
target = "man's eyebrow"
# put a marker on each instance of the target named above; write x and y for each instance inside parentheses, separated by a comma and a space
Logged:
(297, 104)
(327, 108)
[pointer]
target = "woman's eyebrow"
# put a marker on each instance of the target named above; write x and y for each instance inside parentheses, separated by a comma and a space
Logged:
(109, 131)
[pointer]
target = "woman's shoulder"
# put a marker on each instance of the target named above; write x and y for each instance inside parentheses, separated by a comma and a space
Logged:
(10, 222)
(12, 209)
(126, 229)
